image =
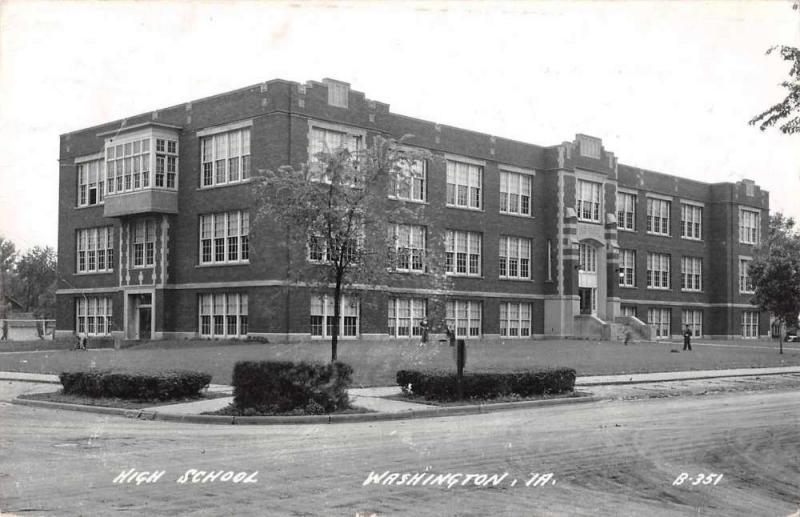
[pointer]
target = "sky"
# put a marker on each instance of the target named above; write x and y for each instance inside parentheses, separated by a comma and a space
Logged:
(668, 86)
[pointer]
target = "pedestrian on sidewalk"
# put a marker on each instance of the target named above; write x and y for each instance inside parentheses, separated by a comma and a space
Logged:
(628, 335)
(687, 339)
(424, 326)
(5, 330)
(80, 344)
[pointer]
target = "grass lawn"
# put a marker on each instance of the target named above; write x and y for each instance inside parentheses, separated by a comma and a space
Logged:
(376, 362)
(58, 396)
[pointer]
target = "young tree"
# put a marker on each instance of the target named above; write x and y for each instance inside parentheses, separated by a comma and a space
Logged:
(336, 217)
(775, 272)
(36, 272)
(8, 256)
(787, 112)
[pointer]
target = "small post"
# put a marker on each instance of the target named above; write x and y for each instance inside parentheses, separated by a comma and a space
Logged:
(461, 360)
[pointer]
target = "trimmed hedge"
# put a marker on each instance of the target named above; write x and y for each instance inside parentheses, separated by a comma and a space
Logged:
(282, 386)
(441, 385)
(166, 385)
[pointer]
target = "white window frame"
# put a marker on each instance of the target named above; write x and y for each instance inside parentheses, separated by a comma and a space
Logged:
(459, 242)
(659, 271)
(349, 308)
(143, 238)
(324, 137)
(691, 274)
(516, 193)
(91, 178)
(693, 318)
(130, 164)
(516, 320)
(745, 280)
(232, 308)
(467, 311)
(411, 183)
(88, 250)
(660, 320)
(408, 244)
(691, 221)
(629, 310)
(749, 226)
(627, 266)
(405, 315)
(93, 313)
(466, 175)
(750, 321)
(219, 152)
(209, 232)
(589, 200)
(626, 206)
(516, 252)
(659, 216)
(587, 258)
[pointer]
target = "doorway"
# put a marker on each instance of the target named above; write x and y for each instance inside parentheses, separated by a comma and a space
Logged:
(588, 300)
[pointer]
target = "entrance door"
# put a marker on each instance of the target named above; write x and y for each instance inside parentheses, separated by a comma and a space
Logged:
(585, 294)
(144, 322)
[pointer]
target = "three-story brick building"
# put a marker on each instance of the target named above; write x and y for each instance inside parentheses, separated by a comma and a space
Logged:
(155, 230)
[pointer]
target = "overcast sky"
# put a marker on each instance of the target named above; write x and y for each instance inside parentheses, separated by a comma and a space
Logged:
(667, 86)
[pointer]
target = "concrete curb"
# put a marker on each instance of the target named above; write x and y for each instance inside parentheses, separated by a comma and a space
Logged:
(433, 412)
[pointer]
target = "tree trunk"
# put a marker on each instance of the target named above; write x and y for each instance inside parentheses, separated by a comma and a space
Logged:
(337, 309)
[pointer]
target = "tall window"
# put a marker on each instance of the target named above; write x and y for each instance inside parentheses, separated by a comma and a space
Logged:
(626, 211)
(144, 243)
(745, 280)
(587, 196)
(223, 315)
(337, 94)
(405, 316)
(515, 319)
(691, 274)
(464, 185)
(629, 310)
(658, 271)
(95, 248)
(659, 319)
(750, 324)
(694, 319)
(225, 237)
(128, 166)
(691, 221)
(463, 253)
(328, 140)
(464, 316)
(93, 315)
(90, 183)
(749, 226)
(225, 157)
(587, 256)
(658, 211)
(411, 183)
(166, 163)
(323, 322)
(515, 193)
(408, 246)
(627, 266)
(515, 257)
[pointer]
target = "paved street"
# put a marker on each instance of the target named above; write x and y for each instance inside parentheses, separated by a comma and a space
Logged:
(607, 458)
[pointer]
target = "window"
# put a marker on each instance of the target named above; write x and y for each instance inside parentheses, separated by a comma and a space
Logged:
(90, 183)
(225, 237)
(658, 211)
(694, 319)
(323, 322)
(128, 166)
(659, 319)
(464, 316)
(750, 324)
(93, 315)
(327, 140)
(626, 211)
(411, 183)
(223, 315)
(627, 268)
(589, 146)
(166, 163)
(745, 280)
(405, 316)
(587, 196)
(95, 248)
(629, 310)
(691, 274)
(463, 253)
(515, 257)
(658, 271)
(691, 221)
(225, 158)
(337, 94)
(144, 243)
(587, 256)
(515, 319)
(408, 247)
(749, 226)
(464, 184)
(515, 193)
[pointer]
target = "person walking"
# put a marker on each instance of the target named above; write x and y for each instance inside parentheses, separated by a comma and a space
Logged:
(5, 330)
(628, 335)
(687, 339)
(424, 326)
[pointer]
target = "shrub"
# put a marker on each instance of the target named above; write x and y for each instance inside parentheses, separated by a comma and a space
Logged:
(284, 386)
(173, 384)
(441, 385)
